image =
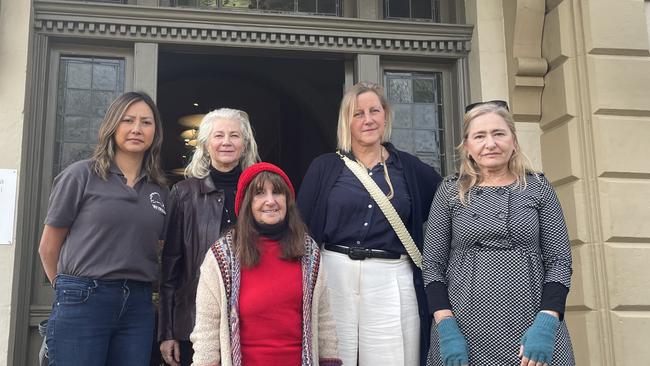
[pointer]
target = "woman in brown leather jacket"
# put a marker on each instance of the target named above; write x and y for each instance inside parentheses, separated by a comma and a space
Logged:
(199, 209)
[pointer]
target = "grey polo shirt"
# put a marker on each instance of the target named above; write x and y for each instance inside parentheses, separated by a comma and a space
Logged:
(114, 229)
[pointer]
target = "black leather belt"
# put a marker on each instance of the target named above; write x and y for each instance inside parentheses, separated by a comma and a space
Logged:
(358, 253)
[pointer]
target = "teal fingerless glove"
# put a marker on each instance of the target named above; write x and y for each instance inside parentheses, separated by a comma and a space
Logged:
(539, 339)
(453, 347)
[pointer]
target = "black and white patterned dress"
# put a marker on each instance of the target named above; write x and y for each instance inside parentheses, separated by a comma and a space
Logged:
(495, 254)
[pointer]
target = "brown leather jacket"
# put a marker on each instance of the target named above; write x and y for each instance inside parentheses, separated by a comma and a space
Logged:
(195, 207)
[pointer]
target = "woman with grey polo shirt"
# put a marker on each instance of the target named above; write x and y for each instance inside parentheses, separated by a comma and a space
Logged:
(100, 242)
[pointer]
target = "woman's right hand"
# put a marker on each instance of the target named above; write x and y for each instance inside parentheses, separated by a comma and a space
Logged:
(171, 352)
(453, 346)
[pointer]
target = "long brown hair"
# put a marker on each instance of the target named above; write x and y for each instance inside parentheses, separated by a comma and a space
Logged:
(104, 154)
(245, 234)
(469, 173)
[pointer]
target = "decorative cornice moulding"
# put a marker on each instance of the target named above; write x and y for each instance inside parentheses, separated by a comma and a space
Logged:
(243, 29)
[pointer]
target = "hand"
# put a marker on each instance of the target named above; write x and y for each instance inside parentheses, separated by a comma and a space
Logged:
(171, 352)
(538, 343)
(453, 347)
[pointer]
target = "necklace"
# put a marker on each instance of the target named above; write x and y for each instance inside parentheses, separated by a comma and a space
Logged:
(391, 192)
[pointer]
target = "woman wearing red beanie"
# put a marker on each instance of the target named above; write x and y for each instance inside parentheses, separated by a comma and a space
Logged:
(261, 298)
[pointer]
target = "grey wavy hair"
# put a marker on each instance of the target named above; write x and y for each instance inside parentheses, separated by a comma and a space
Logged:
(199, 166)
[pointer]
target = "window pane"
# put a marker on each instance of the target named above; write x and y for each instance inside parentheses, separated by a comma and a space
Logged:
(195, 3)
(277, 5)
(402, 116)
(86, 87)
(104, 76)
(108, 1)
(426, 141)
(399, 90)
(239, 4)
(307, 6)
(80, 75)
(397, 9)
(327, 7)
(417, 121)
(425, 116)
(77, 102)
(77, 129)
(72, 151)
(206, 3)
(100, 102)
(423, 91)
(413, 9)
(403, 139)
(421, 9)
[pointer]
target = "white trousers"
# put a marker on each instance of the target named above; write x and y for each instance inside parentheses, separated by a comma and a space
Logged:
(375, 308)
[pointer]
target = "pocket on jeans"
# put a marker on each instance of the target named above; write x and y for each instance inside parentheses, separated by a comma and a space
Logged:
(72, 296)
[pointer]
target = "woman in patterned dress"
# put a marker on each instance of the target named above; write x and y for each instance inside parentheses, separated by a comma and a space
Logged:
(497, 260)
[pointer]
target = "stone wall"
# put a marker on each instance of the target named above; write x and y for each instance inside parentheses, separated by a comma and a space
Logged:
(14, 31)
(595, 143)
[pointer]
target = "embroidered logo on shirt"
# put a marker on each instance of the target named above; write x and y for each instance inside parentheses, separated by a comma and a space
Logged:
(157, 203)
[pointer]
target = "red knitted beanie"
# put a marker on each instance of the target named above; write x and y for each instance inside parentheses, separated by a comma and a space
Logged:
(250, 173)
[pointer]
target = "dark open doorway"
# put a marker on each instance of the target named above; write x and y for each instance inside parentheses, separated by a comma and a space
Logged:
(292, 102)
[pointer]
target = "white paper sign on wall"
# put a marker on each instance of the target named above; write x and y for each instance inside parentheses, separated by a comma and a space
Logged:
(8, 178)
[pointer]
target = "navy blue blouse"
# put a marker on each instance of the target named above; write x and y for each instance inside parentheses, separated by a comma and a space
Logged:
(354, 219)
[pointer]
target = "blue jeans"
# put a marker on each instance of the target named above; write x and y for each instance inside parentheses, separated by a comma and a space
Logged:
(103, 323)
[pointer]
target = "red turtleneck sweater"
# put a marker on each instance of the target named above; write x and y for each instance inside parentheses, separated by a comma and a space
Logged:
(270, 309)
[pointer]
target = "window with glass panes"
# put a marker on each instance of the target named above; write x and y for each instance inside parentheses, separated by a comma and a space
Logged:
(108, 1)
(324, 7)
(412, 9)
(416, 100)
(86, 87)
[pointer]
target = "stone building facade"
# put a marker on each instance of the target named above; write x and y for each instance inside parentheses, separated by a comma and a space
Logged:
(576, 74)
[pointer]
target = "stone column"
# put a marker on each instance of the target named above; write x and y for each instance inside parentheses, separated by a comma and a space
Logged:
(595, 148)
(145, 70)
(367, 68)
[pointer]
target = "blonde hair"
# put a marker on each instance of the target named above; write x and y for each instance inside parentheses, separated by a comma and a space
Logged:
(104, 154)
(348, 106)
(469, 174)
(199, 166)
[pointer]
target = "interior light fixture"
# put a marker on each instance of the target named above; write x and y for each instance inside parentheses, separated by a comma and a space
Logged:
(191, 120)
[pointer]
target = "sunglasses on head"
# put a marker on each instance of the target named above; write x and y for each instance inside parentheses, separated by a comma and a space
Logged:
(500, 103)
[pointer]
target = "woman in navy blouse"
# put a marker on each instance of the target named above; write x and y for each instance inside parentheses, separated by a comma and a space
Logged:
(376, 292)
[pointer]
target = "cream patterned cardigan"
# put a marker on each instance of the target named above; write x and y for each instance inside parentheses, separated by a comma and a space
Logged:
(215, 336)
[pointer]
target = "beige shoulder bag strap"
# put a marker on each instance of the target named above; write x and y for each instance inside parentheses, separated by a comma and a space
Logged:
(386, 207)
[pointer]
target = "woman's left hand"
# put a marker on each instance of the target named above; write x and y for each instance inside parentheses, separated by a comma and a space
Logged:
(538, 342)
